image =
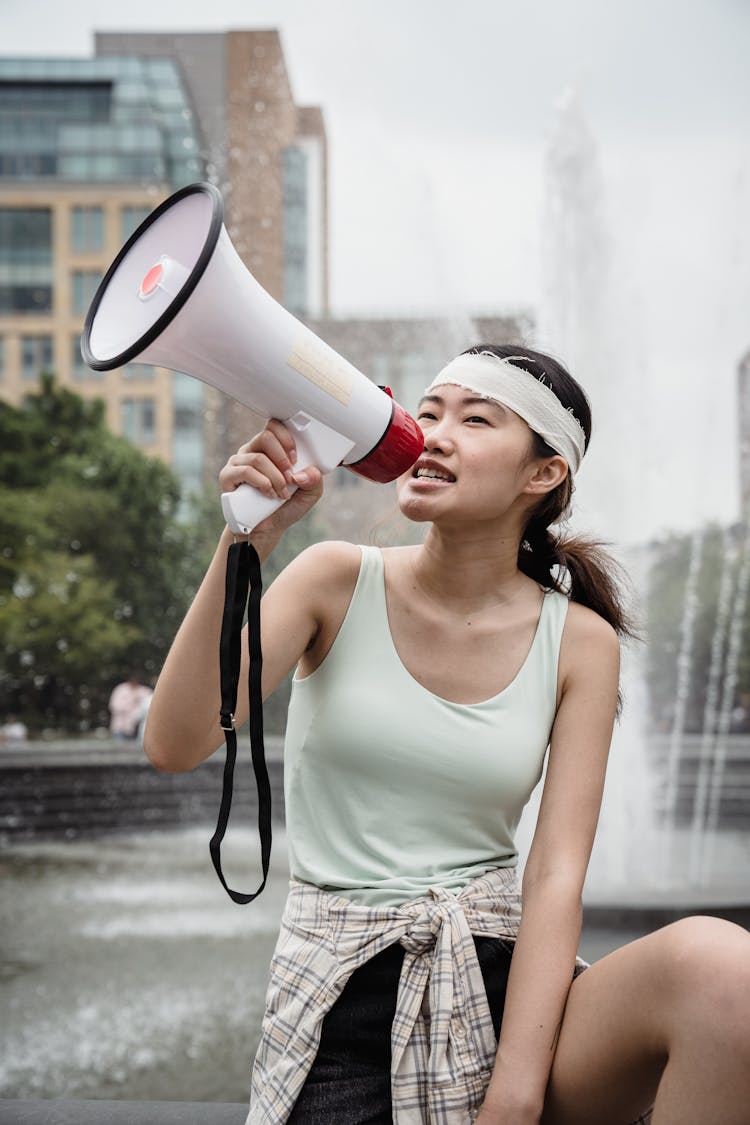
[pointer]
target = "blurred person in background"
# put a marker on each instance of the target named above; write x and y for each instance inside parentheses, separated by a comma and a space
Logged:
(128, 705)
(13, 731)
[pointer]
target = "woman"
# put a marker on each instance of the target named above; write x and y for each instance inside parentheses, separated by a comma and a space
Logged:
(430, 681)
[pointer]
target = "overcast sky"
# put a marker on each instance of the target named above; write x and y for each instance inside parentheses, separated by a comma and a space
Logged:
(439, 118)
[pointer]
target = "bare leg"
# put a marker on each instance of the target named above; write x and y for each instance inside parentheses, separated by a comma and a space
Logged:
(666, 1021)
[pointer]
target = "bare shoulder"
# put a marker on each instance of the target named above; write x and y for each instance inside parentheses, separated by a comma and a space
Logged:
(584, 624)
(318, 579)
(588, 643)
(331, 562)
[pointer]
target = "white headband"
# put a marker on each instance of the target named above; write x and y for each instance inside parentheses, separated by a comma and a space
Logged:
(498, 379)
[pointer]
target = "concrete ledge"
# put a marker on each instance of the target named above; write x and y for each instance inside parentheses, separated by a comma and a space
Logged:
(103, 752)
(72, 1112)
(72, 791)
(647, 916)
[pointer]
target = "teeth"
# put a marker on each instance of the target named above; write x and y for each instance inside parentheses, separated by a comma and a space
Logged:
(432, 474)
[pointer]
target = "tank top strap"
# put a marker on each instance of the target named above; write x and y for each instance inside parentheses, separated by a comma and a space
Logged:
(366, 618)
(368, 599)
(543, 661)
(368, 605)
(371, 568)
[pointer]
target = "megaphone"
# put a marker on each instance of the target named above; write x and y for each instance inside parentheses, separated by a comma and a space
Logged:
(178, 296)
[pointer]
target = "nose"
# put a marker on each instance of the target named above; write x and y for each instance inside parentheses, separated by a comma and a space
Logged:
(438, 437)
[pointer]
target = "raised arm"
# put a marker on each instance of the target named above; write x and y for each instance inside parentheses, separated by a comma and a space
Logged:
(182, 728)
(544, 955)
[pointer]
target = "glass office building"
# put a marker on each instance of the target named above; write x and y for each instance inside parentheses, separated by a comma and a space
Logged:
(104, 120)
(88, 147)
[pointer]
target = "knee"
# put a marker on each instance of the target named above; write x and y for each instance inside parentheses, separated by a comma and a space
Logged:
(707, 943)
(706, 970)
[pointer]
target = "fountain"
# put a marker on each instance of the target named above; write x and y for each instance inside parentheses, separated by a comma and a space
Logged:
(583, 318)
(708, 741)
(715, 785)
(684, 665)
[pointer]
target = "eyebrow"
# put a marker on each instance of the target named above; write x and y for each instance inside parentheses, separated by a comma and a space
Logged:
(470, 400)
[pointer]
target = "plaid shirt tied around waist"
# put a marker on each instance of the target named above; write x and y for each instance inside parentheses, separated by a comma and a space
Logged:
(443, 1044)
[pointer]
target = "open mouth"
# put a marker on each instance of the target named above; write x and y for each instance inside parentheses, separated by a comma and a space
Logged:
(430, 472)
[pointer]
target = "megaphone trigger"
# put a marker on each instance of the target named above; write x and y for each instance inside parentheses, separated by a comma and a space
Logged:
(167, 275)
(317, 444)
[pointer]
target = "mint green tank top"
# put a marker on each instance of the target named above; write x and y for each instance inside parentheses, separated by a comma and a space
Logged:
(391, 790)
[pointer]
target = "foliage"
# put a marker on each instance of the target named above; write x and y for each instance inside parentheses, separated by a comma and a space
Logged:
(96, 569)
(95, 574)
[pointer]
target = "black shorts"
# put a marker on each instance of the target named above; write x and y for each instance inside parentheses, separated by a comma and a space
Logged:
(350, 1079)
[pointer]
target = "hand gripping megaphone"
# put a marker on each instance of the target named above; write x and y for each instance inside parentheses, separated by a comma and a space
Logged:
(178, 296)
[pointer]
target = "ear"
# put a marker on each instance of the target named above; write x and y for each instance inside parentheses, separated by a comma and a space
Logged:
(546, 476)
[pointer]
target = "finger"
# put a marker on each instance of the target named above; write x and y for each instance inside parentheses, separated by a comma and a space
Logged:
(284, 437)
(277, 444)
(256, 470)
(308, 478)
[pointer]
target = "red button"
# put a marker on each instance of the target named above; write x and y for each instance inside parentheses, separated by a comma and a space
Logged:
(151, 281)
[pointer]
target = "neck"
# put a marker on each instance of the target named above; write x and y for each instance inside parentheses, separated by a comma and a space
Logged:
(469, 571)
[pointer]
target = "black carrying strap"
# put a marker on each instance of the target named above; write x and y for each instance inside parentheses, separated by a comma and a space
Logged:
(243, 572)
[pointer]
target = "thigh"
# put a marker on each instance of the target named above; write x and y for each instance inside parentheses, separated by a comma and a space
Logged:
(611, 1051)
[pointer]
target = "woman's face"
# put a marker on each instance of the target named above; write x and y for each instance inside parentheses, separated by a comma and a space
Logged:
(476, 463)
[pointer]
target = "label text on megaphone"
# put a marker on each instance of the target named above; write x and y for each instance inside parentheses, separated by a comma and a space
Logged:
(323, 367)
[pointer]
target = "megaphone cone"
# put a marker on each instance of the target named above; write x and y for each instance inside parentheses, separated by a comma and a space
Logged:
(178, 296)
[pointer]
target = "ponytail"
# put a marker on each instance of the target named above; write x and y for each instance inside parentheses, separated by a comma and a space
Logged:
(579, 567)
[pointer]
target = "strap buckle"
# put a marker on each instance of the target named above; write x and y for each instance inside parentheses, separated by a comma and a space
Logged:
(226, 720)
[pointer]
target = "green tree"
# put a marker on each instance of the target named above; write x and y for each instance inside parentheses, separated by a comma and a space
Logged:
(96, 570)
(94, 575)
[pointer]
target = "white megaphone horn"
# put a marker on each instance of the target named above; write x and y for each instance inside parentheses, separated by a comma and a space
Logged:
(178, 296)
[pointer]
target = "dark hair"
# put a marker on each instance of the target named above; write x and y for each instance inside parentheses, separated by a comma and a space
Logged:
(574, 565)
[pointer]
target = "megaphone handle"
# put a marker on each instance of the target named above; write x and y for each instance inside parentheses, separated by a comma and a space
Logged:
(246, 507)
(317, 444)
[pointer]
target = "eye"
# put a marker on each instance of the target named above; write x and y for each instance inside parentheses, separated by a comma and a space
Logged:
(478, 418)
(425, 414)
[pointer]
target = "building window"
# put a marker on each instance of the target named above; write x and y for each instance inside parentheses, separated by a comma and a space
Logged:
(187, 436)
(294, 221)
(25, 260)
(36, 356)
(27, 166)
(137, 372)
(85, 285)
(87, 232)
(78, 369)
(130, 219)
(33, 100)
(138, 418)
